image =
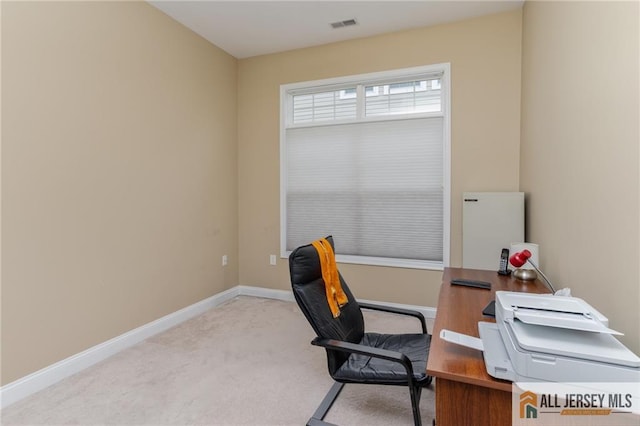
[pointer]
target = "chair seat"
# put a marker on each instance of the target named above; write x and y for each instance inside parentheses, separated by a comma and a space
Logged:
(361, 368)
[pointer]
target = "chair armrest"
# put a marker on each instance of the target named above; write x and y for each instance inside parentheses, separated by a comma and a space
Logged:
(395, 310)
(356, 348)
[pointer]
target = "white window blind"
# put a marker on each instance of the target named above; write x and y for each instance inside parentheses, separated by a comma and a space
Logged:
(324, 106)
(402, 98)
(366, 164)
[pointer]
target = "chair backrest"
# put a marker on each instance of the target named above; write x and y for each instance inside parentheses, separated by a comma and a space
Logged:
(309, 292)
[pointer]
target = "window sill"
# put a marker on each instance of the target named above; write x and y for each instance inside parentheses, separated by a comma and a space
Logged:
(387, 262)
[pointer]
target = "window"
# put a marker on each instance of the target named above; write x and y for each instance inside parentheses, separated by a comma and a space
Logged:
(366, 159)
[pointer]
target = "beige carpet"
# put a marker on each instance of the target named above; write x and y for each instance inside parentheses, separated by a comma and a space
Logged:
(246, 362)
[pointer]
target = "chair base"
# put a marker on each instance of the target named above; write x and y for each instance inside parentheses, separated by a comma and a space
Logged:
(318, 417)
(325, 406)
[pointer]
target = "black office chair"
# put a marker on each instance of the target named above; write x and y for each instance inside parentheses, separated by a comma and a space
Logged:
(355, 356)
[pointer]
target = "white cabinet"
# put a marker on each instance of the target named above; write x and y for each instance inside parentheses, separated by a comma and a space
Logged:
(491, 221)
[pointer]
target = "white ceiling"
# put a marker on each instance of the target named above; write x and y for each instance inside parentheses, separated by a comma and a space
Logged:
(249, 28)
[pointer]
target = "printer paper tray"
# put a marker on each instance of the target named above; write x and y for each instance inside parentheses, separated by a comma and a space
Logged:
(551, 311)
(570, 320)
(496, 358)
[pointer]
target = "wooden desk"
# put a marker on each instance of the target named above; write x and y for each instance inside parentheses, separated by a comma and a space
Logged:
(465, 393)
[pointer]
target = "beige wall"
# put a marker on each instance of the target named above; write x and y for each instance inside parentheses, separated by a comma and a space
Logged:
(580, 157)
(485, 66)
(119, 174)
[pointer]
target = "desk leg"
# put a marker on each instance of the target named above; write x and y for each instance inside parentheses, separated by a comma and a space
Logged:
(460, 404)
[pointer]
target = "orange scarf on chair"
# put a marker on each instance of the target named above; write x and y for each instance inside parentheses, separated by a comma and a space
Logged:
(335, 295)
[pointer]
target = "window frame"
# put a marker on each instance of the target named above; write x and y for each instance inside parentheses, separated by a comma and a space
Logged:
(288, 91)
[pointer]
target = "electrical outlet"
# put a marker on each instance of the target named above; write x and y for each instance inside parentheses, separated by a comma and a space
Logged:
(225, 260)
(272, 259)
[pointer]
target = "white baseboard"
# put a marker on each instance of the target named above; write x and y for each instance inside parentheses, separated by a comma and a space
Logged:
(34, 382)
(268, 293)
(428, 312)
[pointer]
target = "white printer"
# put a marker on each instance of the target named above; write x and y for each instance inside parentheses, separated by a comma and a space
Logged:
(540, 337)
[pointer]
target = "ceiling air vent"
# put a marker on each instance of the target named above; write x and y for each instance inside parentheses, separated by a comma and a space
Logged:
(345, 23)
